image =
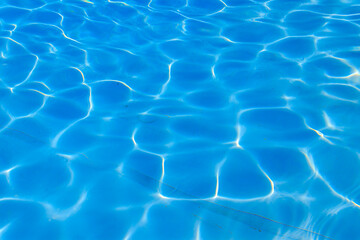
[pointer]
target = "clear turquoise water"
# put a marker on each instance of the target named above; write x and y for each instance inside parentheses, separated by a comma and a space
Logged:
(217, 119)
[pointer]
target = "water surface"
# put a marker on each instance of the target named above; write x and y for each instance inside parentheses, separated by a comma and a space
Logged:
(186, 119)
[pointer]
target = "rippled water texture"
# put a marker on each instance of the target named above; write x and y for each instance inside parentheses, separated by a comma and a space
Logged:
(179, 119)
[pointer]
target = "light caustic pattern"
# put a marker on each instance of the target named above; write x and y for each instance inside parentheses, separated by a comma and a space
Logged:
(186, 119)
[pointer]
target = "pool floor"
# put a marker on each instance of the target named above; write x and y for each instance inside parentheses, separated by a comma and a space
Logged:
(176, 120)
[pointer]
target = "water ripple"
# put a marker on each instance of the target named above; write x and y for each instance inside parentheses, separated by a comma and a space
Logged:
(186, 119)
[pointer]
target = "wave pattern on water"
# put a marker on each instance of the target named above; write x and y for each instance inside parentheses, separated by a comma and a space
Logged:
(184, 119)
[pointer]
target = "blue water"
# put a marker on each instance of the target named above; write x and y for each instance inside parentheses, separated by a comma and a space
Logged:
(179, 119)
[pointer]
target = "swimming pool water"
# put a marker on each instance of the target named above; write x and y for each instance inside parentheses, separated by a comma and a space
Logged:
(182, 119)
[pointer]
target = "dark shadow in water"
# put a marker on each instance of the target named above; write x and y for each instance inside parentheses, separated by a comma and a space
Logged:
(25, 137)
(252, 220)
